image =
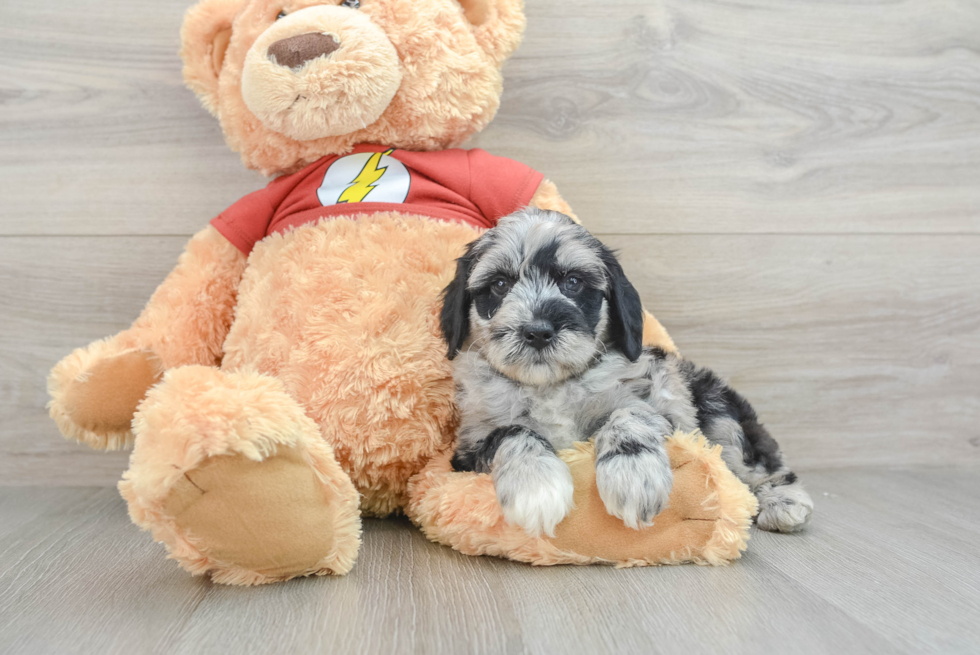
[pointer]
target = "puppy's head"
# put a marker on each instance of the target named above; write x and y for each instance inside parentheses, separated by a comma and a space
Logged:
(540, 298)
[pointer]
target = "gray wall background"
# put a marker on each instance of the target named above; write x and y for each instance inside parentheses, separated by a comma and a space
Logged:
(794, 186)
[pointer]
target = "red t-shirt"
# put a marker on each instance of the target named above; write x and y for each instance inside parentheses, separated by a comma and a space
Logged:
(468, 186)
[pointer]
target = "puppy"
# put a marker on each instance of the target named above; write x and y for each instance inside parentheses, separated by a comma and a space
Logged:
(546, 333)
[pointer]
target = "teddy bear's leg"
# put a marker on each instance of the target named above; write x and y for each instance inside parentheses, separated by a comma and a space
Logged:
(95, 390)
(235, 479)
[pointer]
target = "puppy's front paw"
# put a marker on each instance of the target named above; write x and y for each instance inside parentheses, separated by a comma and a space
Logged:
(534, 490)
(634, 488)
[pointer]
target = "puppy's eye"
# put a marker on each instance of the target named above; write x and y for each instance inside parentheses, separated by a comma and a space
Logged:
(352, 4)
(282, 14)
(571, 284)
(499, 286)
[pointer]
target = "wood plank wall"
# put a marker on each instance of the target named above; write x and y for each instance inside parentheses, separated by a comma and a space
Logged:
(794, 186)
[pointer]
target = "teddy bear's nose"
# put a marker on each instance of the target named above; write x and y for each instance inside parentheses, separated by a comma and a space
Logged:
(297, 50)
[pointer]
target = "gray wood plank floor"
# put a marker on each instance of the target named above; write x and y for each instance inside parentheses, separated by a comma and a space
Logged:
(891, 564)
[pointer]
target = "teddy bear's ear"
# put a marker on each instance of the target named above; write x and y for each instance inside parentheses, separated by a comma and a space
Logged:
(204, 38)
(497, 24)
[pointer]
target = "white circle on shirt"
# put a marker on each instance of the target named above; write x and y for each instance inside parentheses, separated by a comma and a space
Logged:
(365, 177)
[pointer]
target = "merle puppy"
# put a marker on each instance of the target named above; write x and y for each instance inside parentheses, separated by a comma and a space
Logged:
(546, 332)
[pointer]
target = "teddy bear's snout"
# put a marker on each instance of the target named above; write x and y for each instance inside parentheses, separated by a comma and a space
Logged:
(295, 51)
(343, 72)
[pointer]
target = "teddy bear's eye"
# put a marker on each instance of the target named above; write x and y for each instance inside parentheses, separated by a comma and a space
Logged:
(282, 14)
(353, 4)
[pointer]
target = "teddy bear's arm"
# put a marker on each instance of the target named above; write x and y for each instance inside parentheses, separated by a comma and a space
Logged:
(95, 390)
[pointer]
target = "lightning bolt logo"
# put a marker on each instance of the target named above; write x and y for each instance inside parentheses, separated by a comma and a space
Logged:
(365, 181)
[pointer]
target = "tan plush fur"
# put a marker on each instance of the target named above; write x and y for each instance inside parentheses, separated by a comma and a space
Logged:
(87, 376)
(332, 103)
(345, 313)
(199, 412)
(308, 384)
(185, 322)
(204, 39)
(105, 404)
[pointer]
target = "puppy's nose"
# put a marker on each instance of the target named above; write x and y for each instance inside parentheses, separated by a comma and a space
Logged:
(297, 50)
(538, 334)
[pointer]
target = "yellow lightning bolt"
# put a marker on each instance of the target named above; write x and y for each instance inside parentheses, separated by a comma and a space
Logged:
(363, 184)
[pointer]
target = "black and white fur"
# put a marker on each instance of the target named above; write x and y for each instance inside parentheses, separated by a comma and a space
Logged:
(547, 334)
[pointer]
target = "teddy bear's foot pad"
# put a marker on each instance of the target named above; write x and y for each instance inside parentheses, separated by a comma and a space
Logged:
(95, 392)
(233, 477)
(271, 517)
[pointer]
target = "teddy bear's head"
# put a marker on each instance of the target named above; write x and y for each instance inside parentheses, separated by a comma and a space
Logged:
(294, 80)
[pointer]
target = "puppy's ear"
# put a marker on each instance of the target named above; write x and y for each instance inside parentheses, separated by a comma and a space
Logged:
(456, 299)
(625, 310)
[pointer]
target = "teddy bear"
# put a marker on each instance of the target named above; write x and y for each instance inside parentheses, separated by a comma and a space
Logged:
(288, 376)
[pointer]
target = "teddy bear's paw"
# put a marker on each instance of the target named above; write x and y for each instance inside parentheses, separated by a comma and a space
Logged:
(95, 392)
(783, 508)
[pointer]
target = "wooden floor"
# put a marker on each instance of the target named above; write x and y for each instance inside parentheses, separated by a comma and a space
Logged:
(891, 565)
